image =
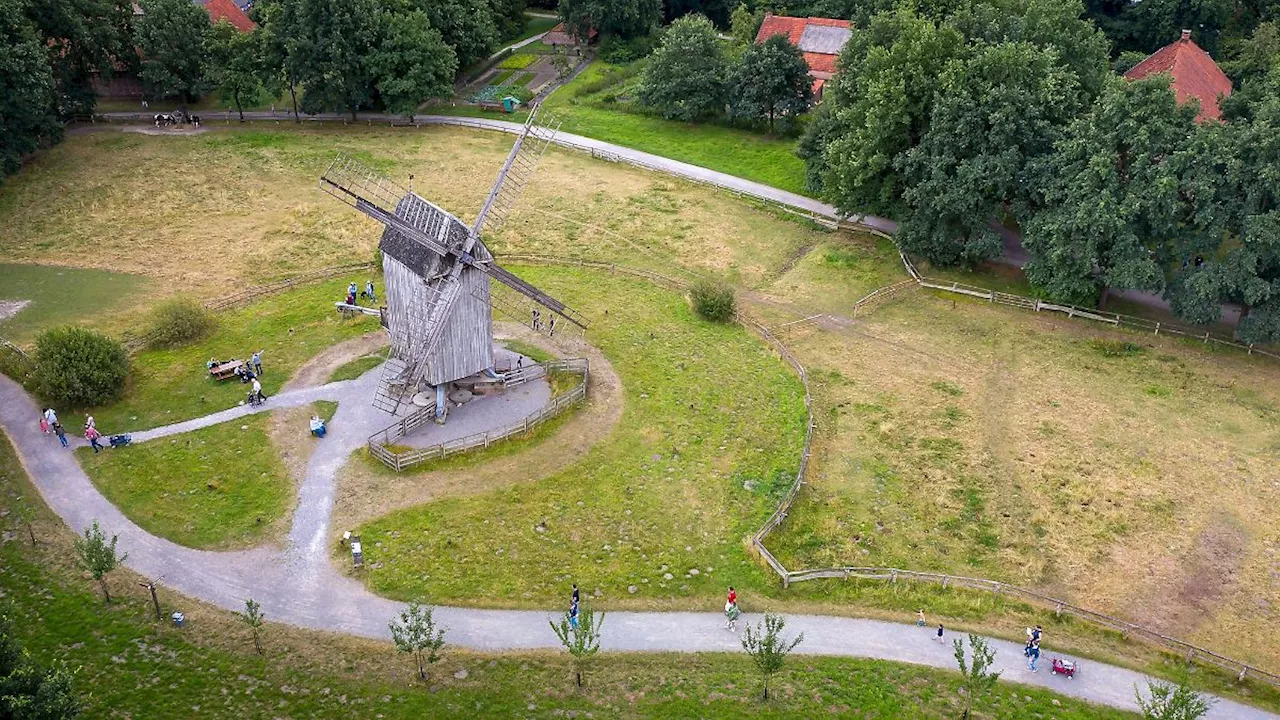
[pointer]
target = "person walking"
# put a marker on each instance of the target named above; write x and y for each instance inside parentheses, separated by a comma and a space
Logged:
(573, 615)
(1033, 655)
(257, 392)
(62, 434)
(368, 291)
(89, 421)
(256, 362)
(574, 596)
(50, 416)
(939, 635)
(44, 424)
(91, 434)
(731, 613)
(920, 618)
(351, 293)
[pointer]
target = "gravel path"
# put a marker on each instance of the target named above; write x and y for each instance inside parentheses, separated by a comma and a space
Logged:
(298, 585)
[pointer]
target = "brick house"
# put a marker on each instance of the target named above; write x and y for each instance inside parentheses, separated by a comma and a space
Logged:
(819, 39)
(1194, 73)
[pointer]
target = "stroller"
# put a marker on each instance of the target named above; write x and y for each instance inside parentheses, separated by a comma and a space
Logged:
(119, 440)
(256, 398)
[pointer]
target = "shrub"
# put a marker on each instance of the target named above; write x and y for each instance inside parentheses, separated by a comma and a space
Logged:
(713, 301)
(178, 321)
(79, 367)
(618, 51)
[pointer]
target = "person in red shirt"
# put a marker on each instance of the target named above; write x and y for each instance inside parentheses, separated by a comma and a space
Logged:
(733, 596)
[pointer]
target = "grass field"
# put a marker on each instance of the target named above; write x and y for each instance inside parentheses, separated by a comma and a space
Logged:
(220, 487)
(357, 367)
(1128, 474)
(171, 385)
(752, 155)
(710, 429)
(65, 295)
(130, 666)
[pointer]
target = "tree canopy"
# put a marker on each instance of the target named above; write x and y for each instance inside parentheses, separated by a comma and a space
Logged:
(412, 62)
(172, 35)
(685, 76)
(627, 18)
(771, 81)
(28, 113)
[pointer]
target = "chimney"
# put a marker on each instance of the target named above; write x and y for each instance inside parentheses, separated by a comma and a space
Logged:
(1186, 34)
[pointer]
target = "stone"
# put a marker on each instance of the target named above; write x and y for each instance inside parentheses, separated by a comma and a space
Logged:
(668, 576)
(693, 571)
(631, 589)
(461, 674)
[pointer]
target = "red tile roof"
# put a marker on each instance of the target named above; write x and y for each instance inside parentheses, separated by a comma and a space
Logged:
(559, 36)
(229, 11)
(1194, 73)
(822, 65)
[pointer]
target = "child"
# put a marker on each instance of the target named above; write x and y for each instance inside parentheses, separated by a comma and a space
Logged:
(62, 434)
(573, 615)
(920, 618)
(731, 614)
(44, 424)
(939, 632)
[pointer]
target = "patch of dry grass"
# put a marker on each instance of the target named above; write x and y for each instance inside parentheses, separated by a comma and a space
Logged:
(992, 442)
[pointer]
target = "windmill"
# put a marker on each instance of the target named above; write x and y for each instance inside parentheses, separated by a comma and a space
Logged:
(437, 273)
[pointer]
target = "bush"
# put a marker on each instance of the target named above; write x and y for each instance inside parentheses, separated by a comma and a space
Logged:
(179, 321)
(79, 368)
(617, 51)
(713, 301)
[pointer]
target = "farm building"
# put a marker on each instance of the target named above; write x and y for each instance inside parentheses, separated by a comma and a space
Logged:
(559, 36)
(820, 39)
(1194, 73)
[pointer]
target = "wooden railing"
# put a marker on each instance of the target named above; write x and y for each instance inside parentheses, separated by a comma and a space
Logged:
(380, 441)
(1191, 652)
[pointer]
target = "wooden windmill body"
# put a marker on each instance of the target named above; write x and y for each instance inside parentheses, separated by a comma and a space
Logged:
(438, 272)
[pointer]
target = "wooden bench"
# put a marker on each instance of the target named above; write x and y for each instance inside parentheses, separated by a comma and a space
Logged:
(226, 370)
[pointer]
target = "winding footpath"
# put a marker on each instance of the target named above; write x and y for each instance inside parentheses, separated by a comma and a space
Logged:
(298, 585)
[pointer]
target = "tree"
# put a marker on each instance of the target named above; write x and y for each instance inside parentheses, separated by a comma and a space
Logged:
(283, 50)
(716, 10)
(582, 641)
(98, 555)
(466, 25)
(998, 111)
(28, 690)
(81, 38)
(509, 17)
(744, 25)
(628, 18)
(1111, 208)
(876, 108)
(685, 77)
(1166, 701)
(765, 645)
(330, 47)
(172, 36)
(771, 81)
(235, 63)
(79, 367)
(254, 619)
(415, 633)
(412, 63)
(979, 678)
(28, 113)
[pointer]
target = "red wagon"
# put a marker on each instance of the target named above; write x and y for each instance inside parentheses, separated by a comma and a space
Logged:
(1065, 667)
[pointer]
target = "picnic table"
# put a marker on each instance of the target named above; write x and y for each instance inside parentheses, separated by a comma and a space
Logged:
(226, 370)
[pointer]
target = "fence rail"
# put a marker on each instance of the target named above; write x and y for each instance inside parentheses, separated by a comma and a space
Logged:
(137, 342)
(380, 441)
(1241, 669)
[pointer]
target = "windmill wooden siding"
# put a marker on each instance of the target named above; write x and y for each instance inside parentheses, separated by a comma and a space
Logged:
(409, 273)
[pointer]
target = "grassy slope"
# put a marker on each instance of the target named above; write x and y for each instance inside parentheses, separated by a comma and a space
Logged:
(356, 368)
(171, 385)
(755, 156)
(64, 295)
(130, 666)
(707, 408)
(219, 487)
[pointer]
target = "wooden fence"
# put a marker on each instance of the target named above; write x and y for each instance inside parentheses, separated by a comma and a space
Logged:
(380, 441)
(1191, 652)
(226, 302)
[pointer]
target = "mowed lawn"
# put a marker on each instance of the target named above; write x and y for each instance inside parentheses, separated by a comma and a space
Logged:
(128, 665)
(752, 155)
(1130, 474)
(59, 295)
(709, 435)
(219, 487)
(172, 385)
